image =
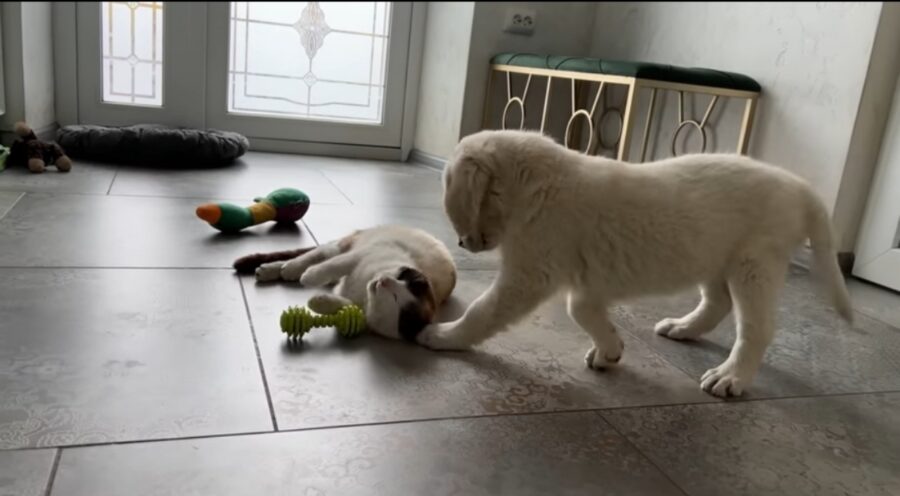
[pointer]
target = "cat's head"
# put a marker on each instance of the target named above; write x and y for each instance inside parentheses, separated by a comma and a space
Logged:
(400, 304)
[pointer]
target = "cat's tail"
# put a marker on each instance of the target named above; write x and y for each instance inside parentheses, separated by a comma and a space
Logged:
(821, 240)
(249, 263)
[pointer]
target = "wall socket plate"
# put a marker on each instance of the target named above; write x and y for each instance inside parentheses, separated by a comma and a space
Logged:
(520, 20)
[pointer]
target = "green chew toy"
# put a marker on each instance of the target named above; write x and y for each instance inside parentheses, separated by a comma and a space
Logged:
(349, 321)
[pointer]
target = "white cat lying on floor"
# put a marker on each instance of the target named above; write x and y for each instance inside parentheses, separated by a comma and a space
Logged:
(604, 230)
(399, 275)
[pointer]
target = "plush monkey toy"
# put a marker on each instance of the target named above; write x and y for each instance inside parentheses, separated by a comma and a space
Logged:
(36, 154)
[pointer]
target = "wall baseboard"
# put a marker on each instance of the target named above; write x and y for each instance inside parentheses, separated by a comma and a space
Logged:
(803, 258)
(46, 133)
(324, 149)
(427, 159)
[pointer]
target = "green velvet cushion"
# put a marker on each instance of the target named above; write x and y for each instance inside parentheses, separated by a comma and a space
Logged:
(642, 70)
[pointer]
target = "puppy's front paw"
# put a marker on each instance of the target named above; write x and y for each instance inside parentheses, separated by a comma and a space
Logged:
(602, 358)
(676, 329)
(725, 380)
(441, 337)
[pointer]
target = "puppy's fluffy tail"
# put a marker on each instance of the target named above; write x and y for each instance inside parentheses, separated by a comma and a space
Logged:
(249, 263)
(825, 262)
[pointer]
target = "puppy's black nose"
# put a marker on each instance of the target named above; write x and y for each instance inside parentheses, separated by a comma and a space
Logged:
(460, 243)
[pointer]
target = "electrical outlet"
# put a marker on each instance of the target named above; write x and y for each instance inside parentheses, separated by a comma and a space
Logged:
(520, 21)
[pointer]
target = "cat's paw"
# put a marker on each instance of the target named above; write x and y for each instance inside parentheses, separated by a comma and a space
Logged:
(326, 303)
(313, 277)
(293, 270)
(268, 272)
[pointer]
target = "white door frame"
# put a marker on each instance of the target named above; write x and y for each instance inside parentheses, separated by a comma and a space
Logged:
(878, 248)
(68, 86)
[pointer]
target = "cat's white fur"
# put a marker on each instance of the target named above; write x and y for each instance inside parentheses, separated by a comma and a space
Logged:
(365, 266)
(604, 231)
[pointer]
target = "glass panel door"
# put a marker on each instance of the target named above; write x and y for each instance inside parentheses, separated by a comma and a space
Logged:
(330, 72)
(137, 62)
(132, 38)
(315, 72)
(286, 69)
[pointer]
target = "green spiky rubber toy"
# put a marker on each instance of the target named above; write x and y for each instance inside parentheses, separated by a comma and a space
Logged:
(350, 321)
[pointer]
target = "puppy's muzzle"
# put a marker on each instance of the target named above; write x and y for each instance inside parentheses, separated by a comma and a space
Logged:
(472, 243)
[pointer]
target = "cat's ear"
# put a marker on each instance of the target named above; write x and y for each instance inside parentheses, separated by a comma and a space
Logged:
(419, 287)
(415, 281)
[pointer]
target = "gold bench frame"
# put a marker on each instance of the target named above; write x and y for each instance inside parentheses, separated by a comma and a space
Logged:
(627, 115)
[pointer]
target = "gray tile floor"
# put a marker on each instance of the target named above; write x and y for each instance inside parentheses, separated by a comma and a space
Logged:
(133, 361)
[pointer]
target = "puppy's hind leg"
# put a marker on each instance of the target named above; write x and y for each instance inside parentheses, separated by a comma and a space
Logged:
(715, 303)
(590, 313)
(754, 287)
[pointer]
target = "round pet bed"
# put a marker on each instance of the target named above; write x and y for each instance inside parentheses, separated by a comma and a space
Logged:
(154, 145)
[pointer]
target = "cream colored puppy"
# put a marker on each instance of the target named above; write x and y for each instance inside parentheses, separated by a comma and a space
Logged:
(604, 231)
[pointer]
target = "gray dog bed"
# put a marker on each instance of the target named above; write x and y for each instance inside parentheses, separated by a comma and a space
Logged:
(153, 145)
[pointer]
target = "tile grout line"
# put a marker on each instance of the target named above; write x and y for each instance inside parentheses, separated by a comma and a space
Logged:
(259, 361)
(162, 267)
(14, 203)
(53, 469)
(231, 198)
(198, 197)
(639, 451)
(106, 267)
(599, 410)
(115, 175)
(662, 357)
(875, 318)
(336, 187)
(311, 233)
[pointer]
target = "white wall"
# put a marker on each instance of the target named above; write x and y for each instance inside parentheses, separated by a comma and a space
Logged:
(461, 38)
(27, 67)
(810, 58)
(448, 29)
(12, 67)
(561, 29)
(37, 64)
(2, 82)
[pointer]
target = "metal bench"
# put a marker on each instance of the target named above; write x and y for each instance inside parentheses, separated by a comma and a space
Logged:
(582, 73)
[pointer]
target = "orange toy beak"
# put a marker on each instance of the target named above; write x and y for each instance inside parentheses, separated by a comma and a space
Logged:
(209, 212)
